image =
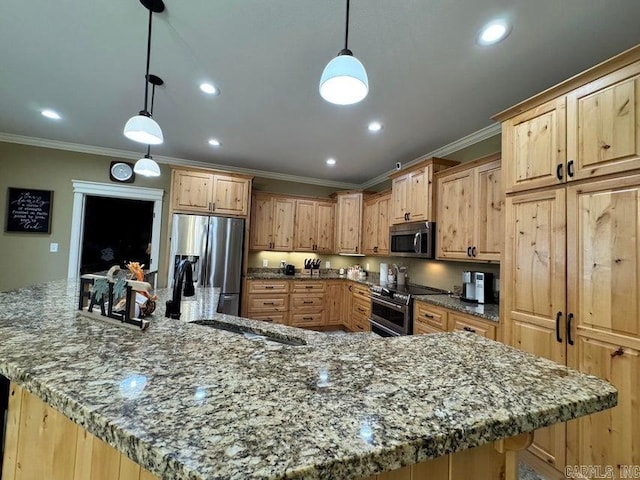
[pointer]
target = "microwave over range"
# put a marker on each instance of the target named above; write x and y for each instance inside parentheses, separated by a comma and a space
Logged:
(415, 239)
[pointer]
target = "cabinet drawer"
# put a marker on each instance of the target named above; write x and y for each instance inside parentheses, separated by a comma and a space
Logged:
(275, 317)
(270, 303)
(360, 323)
(308, 286)
(275, 286)
(359, 307)
(430, 315)
(300, 301)
(421, 328)
(360, 291)
(315, 319)
(470, 324)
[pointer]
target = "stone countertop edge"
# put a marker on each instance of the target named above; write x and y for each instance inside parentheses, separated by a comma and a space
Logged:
(478, 391)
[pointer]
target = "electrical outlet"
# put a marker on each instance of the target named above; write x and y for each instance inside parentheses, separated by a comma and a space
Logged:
(53, 247)
(327, 264)
(366, 267)
(265, 262)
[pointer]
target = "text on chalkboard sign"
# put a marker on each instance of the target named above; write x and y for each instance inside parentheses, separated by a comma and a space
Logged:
(29, 210)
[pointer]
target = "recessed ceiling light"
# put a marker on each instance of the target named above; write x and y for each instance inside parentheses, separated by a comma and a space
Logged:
(493, 32)
(51, 114)
(375, 127)
(331, 162)
(214, 142)
(209, 89)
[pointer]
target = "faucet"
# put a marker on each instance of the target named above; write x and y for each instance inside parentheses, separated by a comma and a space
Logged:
(183, 269)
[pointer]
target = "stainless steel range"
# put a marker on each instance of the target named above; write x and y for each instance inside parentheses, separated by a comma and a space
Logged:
(392, 307)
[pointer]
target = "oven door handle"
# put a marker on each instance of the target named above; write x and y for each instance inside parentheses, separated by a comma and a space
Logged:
(388, 331)
(387, 304)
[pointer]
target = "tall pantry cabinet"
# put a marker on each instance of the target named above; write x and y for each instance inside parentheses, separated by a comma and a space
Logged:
(571, 262)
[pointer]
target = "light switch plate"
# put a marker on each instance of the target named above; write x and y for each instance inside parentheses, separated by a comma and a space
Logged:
(53, 247)
(265, 262)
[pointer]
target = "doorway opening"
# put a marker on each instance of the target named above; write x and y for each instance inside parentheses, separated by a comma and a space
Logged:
(82, 190)
(116, 231)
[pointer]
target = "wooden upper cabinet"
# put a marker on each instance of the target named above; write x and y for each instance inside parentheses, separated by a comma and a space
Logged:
(471, 211)
(231, 195)
(603, 125)
(533, 145)
(375, 225)
(203, 192)
(192, 191)
(349, 222)
(412, 192)
(314, 226)
(272, 223)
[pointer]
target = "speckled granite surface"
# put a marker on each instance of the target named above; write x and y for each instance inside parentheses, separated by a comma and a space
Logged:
(191, 402)
(488, 311)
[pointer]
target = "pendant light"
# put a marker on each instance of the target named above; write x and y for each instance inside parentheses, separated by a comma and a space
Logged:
(344, 80)
(147, 166)
(142, 128)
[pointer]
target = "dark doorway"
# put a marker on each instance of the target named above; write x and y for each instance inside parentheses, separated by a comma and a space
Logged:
(116, 231)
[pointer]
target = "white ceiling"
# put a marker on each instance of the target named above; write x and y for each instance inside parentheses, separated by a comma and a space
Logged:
(430, 84)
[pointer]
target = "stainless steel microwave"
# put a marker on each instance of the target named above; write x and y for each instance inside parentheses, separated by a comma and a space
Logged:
(415, 239)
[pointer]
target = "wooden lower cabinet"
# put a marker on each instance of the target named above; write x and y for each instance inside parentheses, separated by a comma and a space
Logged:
(334, 303)
(359, 308)
(429, 318)
(267, 300)
(42, 443)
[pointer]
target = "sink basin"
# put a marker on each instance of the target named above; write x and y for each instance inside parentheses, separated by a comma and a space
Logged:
(256, 337)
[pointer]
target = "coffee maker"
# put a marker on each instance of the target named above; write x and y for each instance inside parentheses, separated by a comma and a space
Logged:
(477, 287)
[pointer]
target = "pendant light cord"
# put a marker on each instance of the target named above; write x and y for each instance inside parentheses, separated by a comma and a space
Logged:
(146, 76)
(346, 30)
(153, 96)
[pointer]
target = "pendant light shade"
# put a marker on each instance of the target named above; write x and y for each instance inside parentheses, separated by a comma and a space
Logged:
(344, 80)
(144, 129)
(147, 167)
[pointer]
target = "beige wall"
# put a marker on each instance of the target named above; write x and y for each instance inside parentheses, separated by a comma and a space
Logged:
(25, 257)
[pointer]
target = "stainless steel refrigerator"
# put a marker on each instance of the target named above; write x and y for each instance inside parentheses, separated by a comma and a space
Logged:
(214, 246)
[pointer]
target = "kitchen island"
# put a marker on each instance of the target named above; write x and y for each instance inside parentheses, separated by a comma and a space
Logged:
(189, 401)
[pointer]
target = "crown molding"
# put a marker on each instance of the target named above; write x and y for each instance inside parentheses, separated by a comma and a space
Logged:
(464, 142)
(452, 147)
(130, 155)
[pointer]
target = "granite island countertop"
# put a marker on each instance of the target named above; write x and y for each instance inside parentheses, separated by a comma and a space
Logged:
(209, 403)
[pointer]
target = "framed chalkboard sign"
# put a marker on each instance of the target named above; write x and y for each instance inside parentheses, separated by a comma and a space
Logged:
(29, 210)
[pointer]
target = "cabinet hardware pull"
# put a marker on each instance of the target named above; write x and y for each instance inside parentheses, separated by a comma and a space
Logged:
(606, 146)
(268, 303)
(570, 168)
(307, 318)
(559, 171)
(618, 352)
(569, 321)
(213, 206)
(473, 251)
(269, 287)
(356, 249)
(308, 286)
(428, 315)
(307, 301)
(468, 329)
(468, 251)
(558, 337)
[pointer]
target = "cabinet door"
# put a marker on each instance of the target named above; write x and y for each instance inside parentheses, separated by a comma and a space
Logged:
(384, 204)
(334, 300)
(489, 217)
(534, 291)
(349, 223)
(230, 195)
(603, 256)
(455, 217)
(612, 437)
(283, 221)
(192, 191)
(262, 223)
(419, 190)
(325, 223)
(603, 125)
(305, 226)
(534, 147)
(370, 227)
(399, 198)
